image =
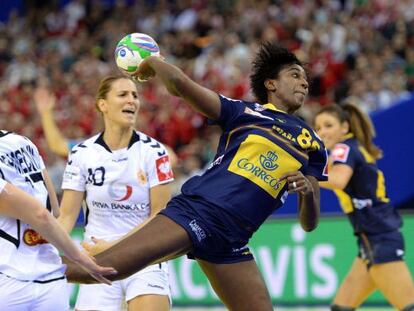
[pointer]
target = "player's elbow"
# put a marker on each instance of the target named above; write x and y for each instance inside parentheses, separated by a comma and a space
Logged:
(309, 225)
(309, 228)
(41, 217)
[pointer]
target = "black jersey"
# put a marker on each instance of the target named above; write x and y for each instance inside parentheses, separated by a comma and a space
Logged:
(364, 198)
(259, 143)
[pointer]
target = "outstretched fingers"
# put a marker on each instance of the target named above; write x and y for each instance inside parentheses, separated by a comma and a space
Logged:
(88, 263)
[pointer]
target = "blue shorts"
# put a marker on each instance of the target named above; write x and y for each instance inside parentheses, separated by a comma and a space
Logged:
(214, 239)
(381, 248)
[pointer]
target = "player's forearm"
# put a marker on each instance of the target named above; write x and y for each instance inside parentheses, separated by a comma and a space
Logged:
(309, 211)
(67, 221)
(121, 256)
(179, 84)
(75, 274)
(48, 227)
(18, 204)
(309, 206)
(56, 141)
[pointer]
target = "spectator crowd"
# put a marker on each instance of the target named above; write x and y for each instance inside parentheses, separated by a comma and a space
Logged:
(360, 51)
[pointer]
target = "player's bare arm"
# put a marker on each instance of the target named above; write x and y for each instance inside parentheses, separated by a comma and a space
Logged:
(307, 189)
(52, 194)
(339, 177)
(70, 208)
(18, 204)
(177, 83)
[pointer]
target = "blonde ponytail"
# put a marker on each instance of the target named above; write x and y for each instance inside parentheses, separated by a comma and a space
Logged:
(361, 126)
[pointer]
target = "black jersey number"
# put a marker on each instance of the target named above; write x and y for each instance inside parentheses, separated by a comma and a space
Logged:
(97, 176)
(10, 238)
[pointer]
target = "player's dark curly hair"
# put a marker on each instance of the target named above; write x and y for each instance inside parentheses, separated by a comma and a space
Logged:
(269, 61)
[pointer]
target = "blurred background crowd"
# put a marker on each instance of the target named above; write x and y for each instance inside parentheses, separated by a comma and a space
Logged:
(356, 50)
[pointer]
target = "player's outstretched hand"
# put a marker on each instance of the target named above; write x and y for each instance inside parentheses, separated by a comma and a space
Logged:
(89, 264)
(44, 100)
(144, 71)
(297, 182)
(97, 247)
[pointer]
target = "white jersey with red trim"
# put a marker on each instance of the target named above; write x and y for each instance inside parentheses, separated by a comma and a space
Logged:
(116, 183)
(25, 255)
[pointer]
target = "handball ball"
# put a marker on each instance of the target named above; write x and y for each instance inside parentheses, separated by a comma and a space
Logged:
(132, 49)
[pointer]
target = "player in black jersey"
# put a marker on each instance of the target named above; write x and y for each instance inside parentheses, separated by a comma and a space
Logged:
(354, 176)
(264, 153)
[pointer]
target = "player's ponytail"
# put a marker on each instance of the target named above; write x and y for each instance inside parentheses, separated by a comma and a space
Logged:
(361, 126)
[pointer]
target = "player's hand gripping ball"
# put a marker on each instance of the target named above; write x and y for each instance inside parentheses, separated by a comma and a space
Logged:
(132, 49)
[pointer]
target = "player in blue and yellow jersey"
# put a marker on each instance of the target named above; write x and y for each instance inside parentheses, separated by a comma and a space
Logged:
(264, 153)
(354, 176)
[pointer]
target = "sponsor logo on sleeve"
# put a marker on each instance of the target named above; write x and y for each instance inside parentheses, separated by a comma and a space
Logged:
(340, 153)
(164, 171)
(71, 173)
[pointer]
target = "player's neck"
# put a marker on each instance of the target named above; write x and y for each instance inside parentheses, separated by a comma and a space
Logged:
(117, 139)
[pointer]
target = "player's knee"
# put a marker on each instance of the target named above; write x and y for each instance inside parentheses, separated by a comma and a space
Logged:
(409, 307)
(341, 308)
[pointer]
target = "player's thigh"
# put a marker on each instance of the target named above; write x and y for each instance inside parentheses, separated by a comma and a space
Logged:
(51, 296)
(100, 297)
(239, 285)
(356, 286)
(394, 280)
(148, 289)
(149, 303)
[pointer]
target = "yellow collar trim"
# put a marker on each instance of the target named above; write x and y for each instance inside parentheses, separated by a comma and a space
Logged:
(273, 107)
(348, 136)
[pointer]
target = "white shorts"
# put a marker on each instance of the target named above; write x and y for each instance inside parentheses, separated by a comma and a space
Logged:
(29, 296)
(153, 280)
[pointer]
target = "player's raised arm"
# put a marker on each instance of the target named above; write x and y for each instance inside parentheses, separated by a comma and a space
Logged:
(179, 84)
(45, 102)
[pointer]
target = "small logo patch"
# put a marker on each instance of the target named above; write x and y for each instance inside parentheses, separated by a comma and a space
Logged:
(268, 162)
(155, 286)
(399, 252)
(164, 171)
(142, 177)
(340, 153)
(32, 238)
(199, 232)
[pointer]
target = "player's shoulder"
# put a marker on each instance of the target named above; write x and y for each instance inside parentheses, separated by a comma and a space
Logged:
(85, 145)
(225, 99)
(11, 140)
(345, 149)
(148, 144)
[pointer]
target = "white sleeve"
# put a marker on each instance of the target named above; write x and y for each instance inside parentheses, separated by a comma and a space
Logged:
(74, 178)
(158, 167)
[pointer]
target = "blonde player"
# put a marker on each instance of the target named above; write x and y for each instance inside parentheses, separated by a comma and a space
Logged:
(123, 176)
(31, 272)
(354, 176)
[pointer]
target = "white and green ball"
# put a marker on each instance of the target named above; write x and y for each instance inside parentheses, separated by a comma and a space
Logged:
(132, 49)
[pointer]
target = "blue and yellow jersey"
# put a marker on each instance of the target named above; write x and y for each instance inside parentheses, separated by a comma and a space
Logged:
(258, 145)
(364, 198)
